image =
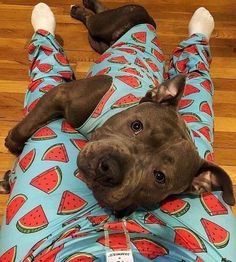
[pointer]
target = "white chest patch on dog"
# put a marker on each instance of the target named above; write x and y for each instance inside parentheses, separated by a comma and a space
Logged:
(119, 256)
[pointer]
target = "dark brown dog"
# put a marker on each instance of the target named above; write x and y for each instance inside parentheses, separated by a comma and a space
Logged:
(131, 160)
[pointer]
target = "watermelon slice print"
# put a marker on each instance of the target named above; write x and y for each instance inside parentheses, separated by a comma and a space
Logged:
(204, 107)
(152, 65)
(57, 78)
(34, 221)
(186, 238)
(103, 57)
(118, 60)
(212, 204)
(206, 132)
(80, 257)
(192, 49)
(151, 219)
(131, 81)
(104, 71)
(201, 66)
(96, 220)
(67, 128)
(78, 175)
(194, 75)
(46, 49)
(56, 153)
(127, 50)
(66, 74)
(98, 110)
(14, 206)
(181, 65)
(190, 117)
(116, 241)
(156, 41)
(48, 181)
(131, 226)
(151, 28)
(131, 70)
(44, 133)
(33, 104)
(174, 206)
(206, 84)
(140, 37)
(31, 48)
(209, 156)
(189, 90)
(27, 160)
(45, 68)
(46, 88)
(126, 101)
(178, 51)
(35, 84)
(138, 47)
(61, 59)
(42, 32)
(158, 55)
(216, 234)
(140, 63)
(28, 257)
(49, 254)
(79, 143)
(185, 103)
(118, 44)
(69, 233)
(9, 255)
(70, 203)
(149, 248)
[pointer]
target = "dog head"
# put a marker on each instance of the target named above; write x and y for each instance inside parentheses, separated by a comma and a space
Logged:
(142, 155)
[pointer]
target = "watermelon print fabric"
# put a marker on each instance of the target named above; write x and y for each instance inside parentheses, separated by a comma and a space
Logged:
(52, 216)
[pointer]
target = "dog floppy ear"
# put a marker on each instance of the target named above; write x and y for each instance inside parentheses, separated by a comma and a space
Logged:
(167, 93)
(211, 177)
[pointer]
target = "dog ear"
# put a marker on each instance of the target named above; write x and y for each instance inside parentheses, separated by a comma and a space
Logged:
(211, 177)
(168, 93)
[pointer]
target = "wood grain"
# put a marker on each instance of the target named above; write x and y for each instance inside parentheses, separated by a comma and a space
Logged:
(172, 18)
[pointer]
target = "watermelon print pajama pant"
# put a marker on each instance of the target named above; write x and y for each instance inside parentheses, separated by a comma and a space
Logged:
(51, 214)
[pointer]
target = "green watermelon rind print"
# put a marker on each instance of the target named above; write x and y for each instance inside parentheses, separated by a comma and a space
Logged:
(32, 229)
(79, 255)
(9, 255)
(35, 137)
(57, 172)
(25, 168)
(65, 158)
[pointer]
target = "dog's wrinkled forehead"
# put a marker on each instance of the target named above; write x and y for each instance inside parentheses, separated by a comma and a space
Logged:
(145, 121)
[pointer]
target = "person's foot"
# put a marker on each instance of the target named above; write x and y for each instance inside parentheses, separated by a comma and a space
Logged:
(43, 18)
(201, 22)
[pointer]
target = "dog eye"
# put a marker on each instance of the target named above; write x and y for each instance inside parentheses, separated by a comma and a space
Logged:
(159, 176)
(137, 126)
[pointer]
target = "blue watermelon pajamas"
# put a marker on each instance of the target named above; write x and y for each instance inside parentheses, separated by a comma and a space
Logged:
(52, 216)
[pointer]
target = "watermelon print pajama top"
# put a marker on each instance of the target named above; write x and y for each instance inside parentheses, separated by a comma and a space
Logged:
(51, 214)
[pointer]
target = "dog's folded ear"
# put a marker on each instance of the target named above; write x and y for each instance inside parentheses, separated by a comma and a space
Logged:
(211, 177)
(167, 93)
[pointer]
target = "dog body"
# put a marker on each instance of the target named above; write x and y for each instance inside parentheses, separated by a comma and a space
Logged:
(141, 149)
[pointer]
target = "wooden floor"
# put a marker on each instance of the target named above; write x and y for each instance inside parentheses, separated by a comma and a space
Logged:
(172, 17)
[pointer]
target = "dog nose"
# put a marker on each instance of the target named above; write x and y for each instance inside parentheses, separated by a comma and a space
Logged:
(108, 172)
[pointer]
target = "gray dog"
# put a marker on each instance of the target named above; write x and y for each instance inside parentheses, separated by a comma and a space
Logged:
(140, 154)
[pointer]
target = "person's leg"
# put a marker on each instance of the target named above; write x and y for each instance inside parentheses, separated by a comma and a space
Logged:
(207, 216)
(46, 187)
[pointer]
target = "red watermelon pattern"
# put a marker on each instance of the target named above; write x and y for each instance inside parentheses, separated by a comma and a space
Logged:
(70, 203)
(13, 206)
(56, 153)
(44, 133)
(26, 161)
(9, 255)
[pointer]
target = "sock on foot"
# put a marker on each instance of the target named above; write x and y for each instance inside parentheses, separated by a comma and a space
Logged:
(201, 22)
(43, 18)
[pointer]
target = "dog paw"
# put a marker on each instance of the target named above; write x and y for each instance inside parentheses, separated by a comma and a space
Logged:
(15, 147)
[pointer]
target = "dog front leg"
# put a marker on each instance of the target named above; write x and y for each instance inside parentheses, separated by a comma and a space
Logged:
(75, 101)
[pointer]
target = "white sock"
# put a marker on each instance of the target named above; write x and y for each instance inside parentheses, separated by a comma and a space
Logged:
(201, 22)
(43, 18)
